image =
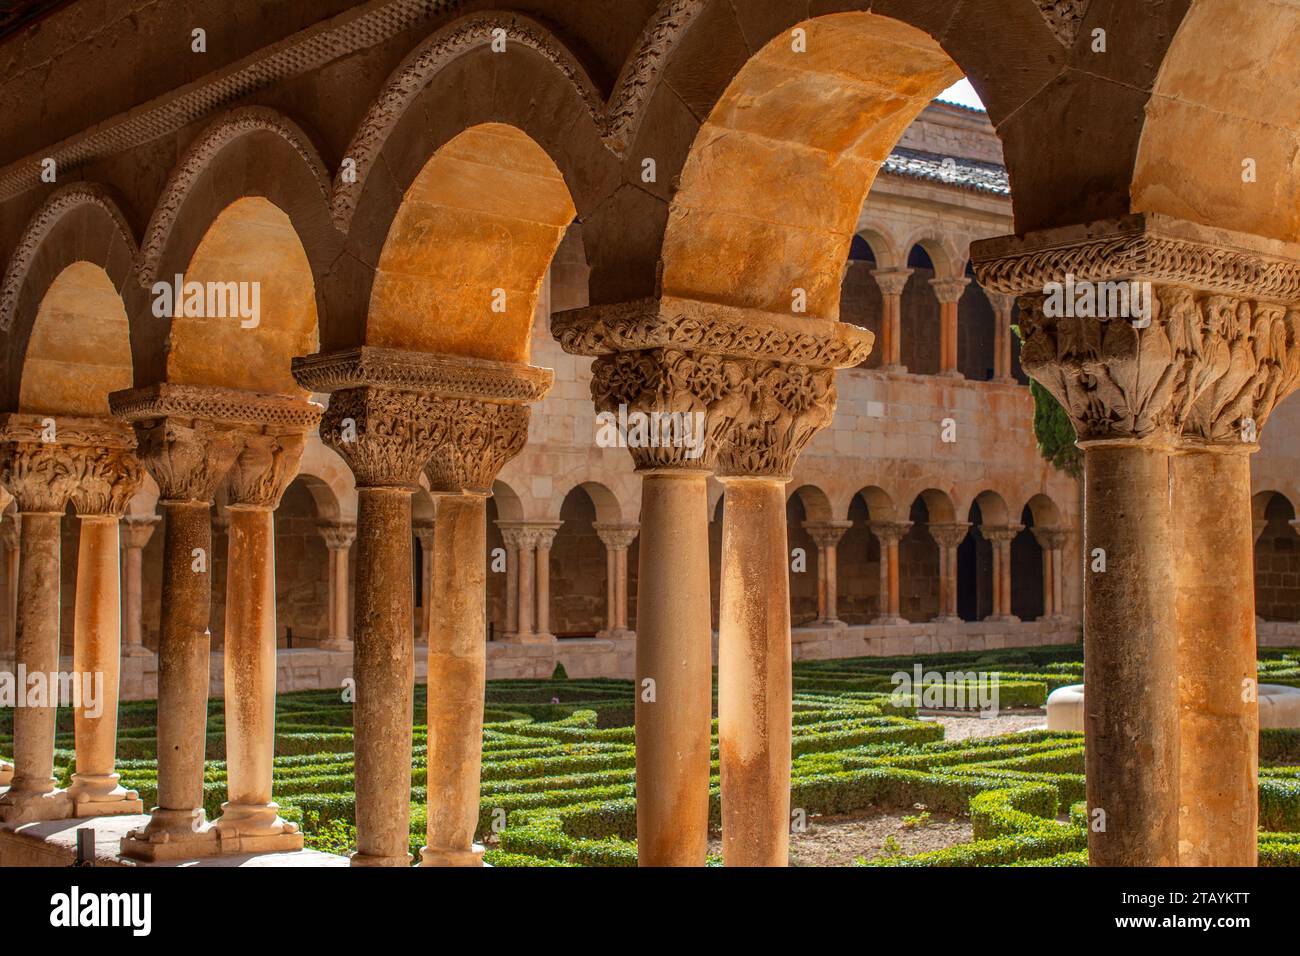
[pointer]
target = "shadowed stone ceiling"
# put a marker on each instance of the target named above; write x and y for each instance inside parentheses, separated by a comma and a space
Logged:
(16, 14)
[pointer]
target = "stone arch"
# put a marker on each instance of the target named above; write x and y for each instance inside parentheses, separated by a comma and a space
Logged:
(1277, 557)
(883, 247)
(816, 503)
(508, 505)
(1044, 511)
(253, 244)
(947, 262)
(329, 480)
(577, 571)
(1243, 110)
(606, 504)
(496, 197)
(80, 228)
(538, 89)
(993, 508)
(251, 152)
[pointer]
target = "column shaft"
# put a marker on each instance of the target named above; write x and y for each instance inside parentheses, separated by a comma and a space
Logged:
(621, 593)
(674, 700)
(611, 590)
(96, 653)
(544, 587)
(512, 584)
(1217, 678)
(1131, 713)
(527, 599)
(132, 601)
(32, 793)
(895, 603)
(457, 669)
(754, 675)
(385, 675)
(832, 581)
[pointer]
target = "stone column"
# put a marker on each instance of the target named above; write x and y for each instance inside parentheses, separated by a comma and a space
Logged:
(512, 536)
(1193, 374)
(948, 291)
(785, 403)
(8, 583)
(389, 412)
(250, 821)
(136, 530)
(1003, 310)
(424, 534)
(338, 539)
(617, 539)
(892, 282)
(188, 454)
(526, 599)
(826, 535)
(1001, 538)
(107, 478)
(461, 475)
(889, 534)
(36, 468)
(948, 535)
(692, 361)
(1052, 541)
(545, 538)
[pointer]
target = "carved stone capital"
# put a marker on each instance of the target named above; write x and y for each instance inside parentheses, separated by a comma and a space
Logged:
(136, 530)
(424, 534)
(617, 537)
(826, 534)
(949, 291)
(1001, 533)
(264, 468)
(948, 534)
(339, 536)
(46, 461)
(891, 281)
(1217, 347)
(889, 532)
(738, 388)
(528, 536)
(394, 414)
(1050, 539)
(481, 438)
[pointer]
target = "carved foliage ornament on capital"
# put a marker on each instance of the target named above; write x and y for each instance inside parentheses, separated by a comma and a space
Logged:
(45, 462)
(481, 438)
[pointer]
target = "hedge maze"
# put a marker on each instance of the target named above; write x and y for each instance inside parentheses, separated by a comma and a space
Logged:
(559, 764)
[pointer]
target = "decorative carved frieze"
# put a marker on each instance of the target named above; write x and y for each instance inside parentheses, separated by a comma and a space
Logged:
(426, 372)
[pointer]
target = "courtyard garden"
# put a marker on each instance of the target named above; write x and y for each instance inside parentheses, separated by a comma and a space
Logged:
(874, 782)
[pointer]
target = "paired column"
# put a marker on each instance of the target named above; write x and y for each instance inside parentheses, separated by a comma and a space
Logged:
(889, 534)
(617, 539)
(1003, 316)
(267, 463)
(39, 474)
(1001, 538)
(948, 292)
(393, 415)
(338, 539)
(1052, 542)
(1167, 402)
(892, 282)
(135, 530)
(108, 477)
(528, 580)
(188, 457)
(948, 535)
(826, 535)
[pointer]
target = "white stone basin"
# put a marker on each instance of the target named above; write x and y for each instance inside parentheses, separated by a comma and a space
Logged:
(6, 774)
(1279, 707)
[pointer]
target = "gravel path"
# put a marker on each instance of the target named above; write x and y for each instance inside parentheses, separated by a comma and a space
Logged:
(966, 728)
(839, 841)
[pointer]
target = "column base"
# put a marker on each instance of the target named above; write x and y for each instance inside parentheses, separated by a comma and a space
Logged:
(138, 650)
(28, 806)
(893, 368)
(946, 619)
(256, 821)
(336, 644)
(1002, 619)
(172, 835)
(367, 859)
(951, 373)
(102, 796)
(888, 621)
(471, 857)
